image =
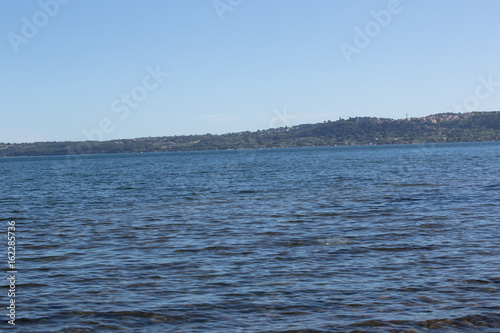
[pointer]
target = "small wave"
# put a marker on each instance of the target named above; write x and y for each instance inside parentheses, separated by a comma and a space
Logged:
(477, 281)
(404, 199)
(333, 241)
(247, 191)
(48, 258)
(298, 242)
(401, 248)
(30, 285)
(471, 323)
(124, 188)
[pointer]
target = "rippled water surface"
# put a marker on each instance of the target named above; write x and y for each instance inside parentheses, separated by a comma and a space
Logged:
(362, 239)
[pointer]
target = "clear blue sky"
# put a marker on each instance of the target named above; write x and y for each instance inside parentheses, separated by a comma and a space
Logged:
(245, 65)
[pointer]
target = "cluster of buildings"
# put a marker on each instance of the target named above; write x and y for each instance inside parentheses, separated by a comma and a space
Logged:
(375, 120)
(438, 118)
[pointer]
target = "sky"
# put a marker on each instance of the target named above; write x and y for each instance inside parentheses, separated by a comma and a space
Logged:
(75, 70)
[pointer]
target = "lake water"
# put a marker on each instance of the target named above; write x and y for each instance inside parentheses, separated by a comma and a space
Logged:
(338, 239)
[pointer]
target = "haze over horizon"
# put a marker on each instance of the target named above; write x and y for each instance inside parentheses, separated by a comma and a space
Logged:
(75, 70)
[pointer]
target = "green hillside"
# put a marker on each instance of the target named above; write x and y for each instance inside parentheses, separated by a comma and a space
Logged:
(445, 127)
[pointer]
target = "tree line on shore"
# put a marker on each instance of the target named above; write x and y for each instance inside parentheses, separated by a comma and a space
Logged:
(445, 127)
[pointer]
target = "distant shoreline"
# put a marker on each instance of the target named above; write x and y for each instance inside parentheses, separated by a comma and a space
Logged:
(358, 131)
(238, 149)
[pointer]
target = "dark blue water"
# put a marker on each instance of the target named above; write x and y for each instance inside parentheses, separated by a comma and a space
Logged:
(362, 239)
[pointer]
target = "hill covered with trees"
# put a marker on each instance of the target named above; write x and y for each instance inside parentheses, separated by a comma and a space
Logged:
(444, 127)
